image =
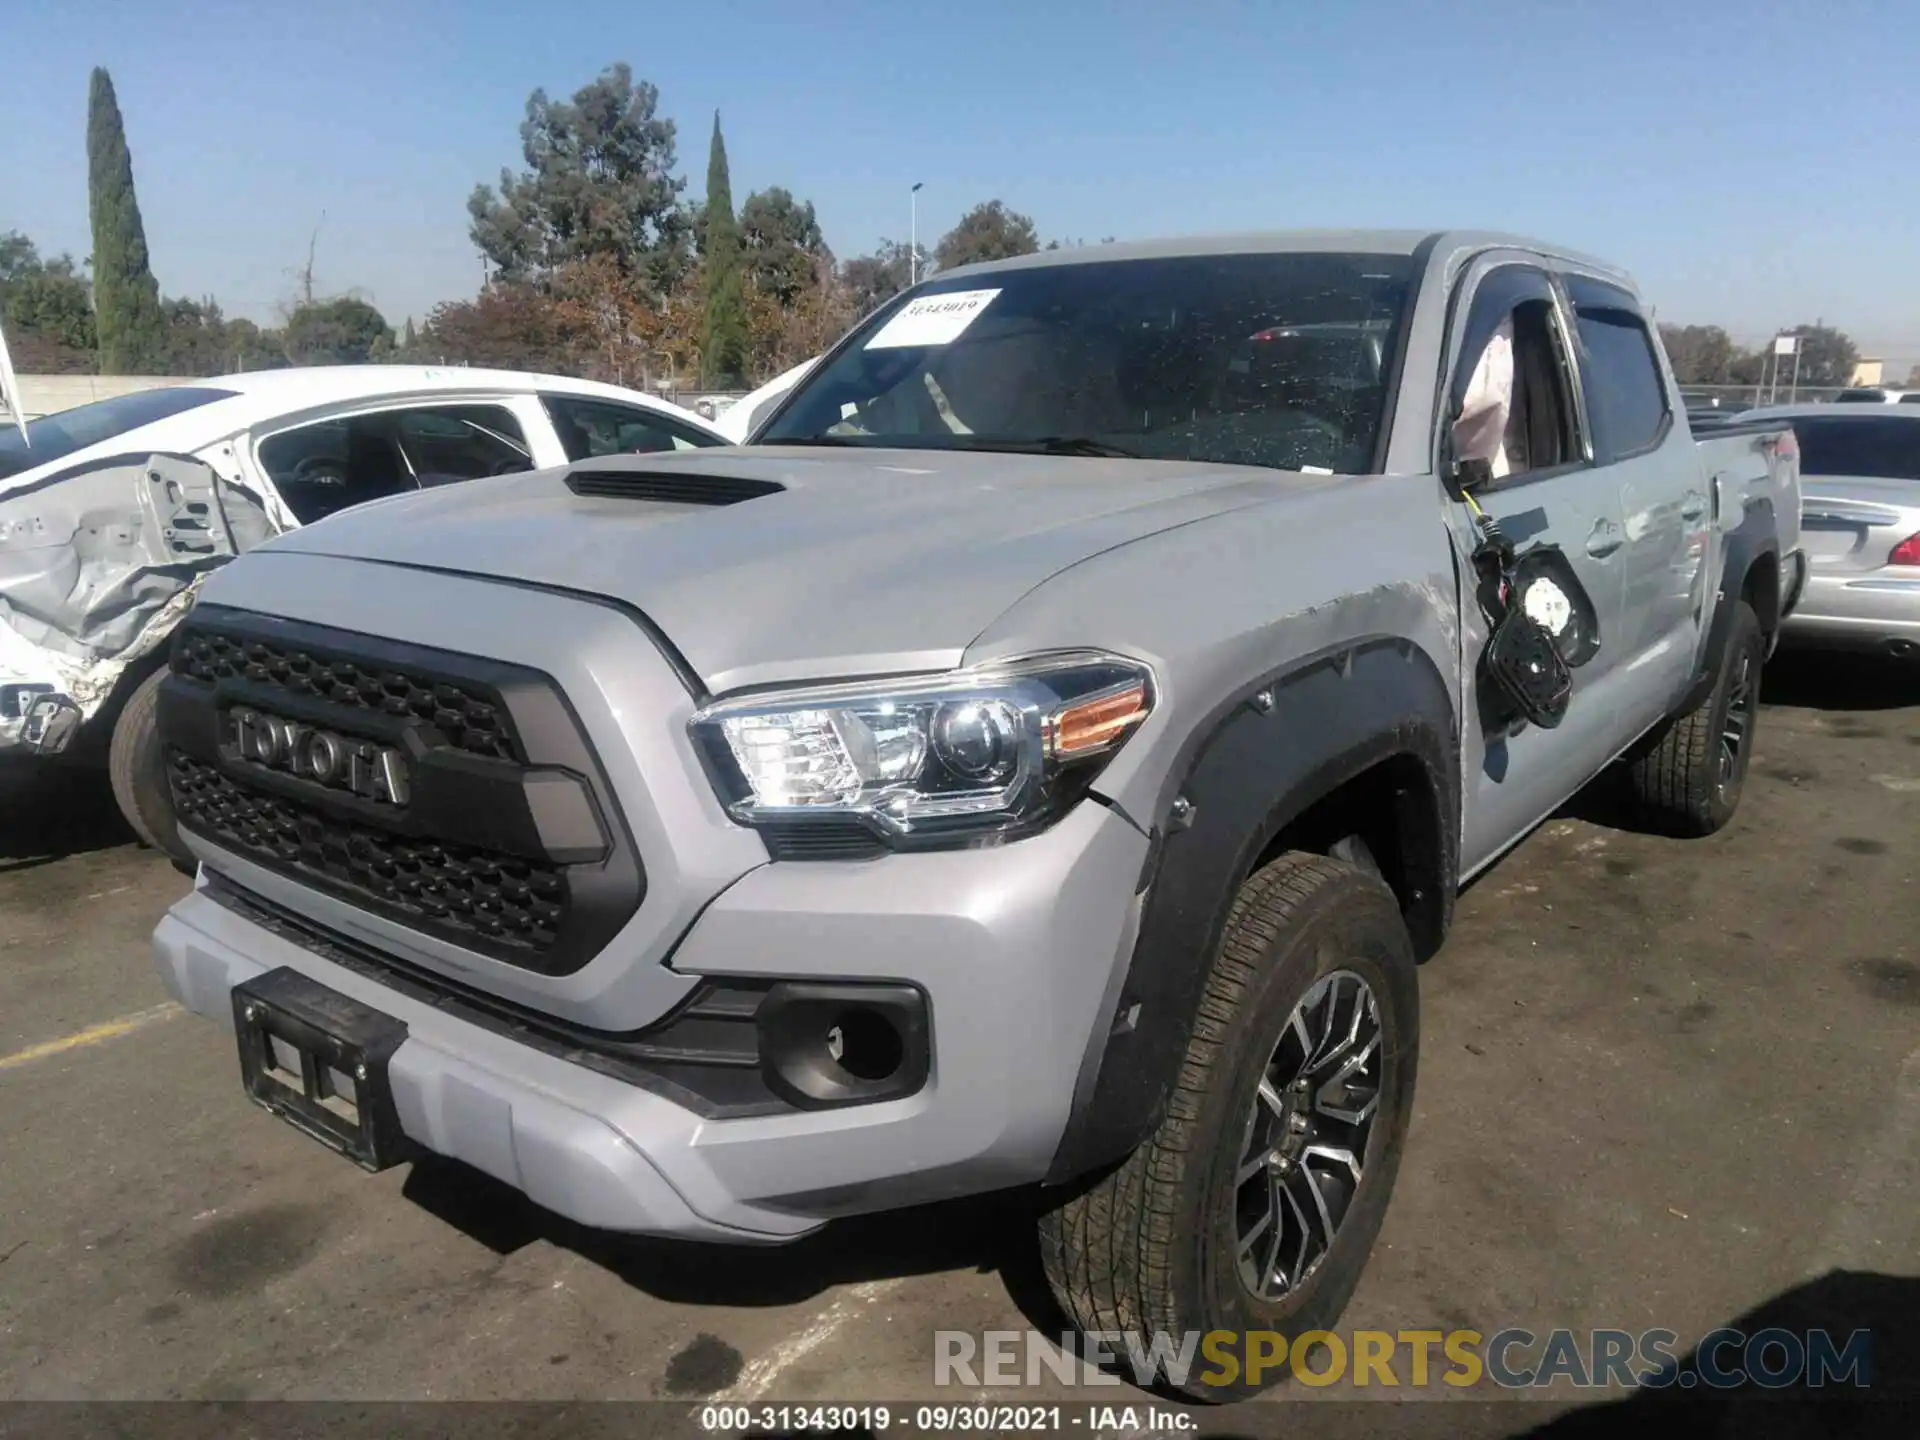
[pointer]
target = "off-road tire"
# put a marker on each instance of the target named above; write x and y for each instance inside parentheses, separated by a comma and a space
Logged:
(1149, 1246)
(1676, 784)
(137, 769)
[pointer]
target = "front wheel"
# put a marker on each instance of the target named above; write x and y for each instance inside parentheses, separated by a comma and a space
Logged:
(1254, 1204)
(137, 769)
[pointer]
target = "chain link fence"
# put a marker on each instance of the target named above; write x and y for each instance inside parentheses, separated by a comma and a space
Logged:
(1734, 398)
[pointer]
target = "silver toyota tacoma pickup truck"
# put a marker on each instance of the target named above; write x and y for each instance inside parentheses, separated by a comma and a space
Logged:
(1041, 758)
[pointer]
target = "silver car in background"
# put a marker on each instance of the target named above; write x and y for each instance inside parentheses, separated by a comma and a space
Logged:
(1860, 519)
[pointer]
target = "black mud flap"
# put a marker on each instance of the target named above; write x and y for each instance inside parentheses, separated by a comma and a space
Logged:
(318, 1060)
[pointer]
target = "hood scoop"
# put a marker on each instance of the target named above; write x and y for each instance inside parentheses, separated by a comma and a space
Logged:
(668, 487)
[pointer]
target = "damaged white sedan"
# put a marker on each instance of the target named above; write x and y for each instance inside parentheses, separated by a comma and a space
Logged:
(111, 513)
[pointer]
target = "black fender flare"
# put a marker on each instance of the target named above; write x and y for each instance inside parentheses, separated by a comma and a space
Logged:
(1260, 760)
(1757, 535)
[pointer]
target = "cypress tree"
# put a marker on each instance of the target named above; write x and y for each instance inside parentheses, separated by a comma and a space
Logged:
(723, 336)
(126, 299)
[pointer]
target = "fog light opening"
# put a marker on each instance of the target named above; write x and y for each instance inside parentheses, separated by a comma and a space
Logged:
(865, 1045)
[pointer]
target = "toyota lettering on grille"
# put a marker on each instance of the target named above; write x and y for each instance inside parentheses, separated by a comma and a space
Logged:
(339, 762)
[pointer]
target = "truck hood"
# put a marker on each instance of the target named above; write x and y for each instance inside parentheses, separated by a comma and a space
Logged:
(861, 562)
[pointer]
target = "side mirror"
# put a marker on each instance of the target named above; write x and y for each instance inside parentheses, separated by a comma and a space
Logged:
(1526, 668)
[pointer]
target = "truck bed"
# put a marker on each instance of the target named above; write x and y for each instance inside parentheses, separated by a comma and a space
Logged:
(1750, 462)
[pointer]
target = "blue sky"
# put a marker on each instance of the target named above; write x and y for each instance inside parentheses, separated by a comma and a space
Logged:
(1755, 164)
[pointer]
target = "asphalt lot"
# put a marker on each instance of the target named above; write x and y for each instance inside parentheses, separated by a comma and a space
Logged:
(1664, 1084)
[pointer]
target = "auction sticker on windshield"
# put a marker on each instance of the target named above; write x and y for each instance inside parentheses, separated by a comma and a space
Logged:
(932, 320)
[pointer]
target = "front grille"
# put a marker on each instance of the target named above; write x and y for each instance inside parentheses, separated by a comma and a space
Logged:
(486, 821)
(509, 901)
(469, 720)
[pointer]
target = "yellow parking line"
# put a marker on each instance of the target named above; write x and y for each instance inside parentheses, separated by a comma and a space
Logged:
(92, 1035)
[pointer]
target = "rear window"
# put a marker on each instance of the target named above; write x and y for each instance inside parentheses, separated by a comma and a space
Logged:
(54, 436)
(604, 427)
(1860, 445)
(1626, 401)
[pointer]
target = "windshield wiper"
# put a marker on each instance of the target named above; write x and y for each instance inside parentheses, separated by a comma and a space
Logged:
(1041, 445)
(1082, 445)
(1056, 445)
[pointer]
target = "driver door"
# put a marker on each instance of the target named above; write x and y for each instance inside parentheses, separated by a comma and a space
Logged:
(1546, 491)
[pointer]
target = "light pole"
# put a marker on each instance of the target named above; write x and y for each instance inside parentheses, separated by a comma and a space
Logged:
(913, 234)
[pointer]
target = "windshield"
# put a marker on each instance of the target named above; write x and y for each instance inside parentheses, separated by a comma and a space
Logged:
(1276, 360)
(62, 433)
(1860, 445)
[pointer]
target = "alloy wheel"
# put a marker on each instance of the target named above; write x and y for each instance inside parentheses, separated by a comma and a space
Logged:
(1301, 1163)
(1737, 728)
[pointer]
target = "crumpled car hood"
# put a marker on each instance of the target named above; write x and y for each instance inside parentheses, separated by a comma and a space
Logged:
(866, 562)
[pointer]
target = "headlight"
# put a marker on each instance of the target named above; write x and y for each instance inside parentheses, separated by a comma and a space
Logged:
(1002, 749)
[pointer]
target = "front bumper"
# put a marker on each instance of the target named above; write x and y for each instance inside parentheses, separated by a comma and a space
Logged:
(1020, 951)
(1877, 610)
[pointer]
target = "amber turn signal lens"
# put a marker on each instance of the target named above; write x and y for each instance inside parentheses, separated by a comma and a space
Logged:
(1098, 724)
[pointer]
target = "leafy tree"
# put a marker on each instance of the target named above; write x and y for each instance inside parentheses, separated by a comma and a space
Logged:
(1700, 354)
(612, 330)
(1827, 358)
(871, 280)
(680, 324)
(723, 336)
(1913, 377)
(126, 298)
(247, 347)
(196, 337)
(53, 304)
(509, 325)
(783, 244)
(782, 335)
(336, 332)
(599, 180)
(410, 339)
(47, 309)
(19, 257)
(989, 231)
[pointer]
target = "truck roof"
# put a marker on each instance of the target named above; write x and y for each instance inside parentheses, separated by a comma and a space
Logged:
(1449, 243)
